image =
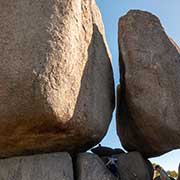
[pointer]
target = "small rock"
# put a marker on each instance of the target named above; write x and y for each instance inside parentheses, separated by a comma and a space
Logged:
(91, 167)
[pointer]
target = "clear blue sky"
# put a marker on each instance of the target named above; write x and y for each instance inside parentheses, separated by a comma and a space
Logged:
(169, 14)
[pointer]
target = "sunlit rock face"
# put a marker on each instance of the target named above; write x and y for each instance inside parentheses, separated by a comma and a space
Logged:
(148, 111)
(56, 80)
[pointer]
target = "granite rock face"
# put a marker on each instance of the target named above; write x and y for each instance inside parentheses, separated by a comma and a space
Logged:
(56, 80)
(91, 167)
(38, 167)
(148, 100)
(132, 166)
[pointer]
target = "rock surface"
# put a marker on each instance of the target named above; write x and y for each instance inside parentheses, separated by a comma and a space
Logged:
(91, 167)
(38, 167)
(132, 166)
(148, 103)
(159, 178)
(106, 151)
(56, 80)
(150, 168)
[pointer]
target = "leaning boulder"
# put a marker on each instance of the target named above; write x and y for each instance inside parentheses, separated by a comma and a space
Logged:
(56, 80)
(38, 167)
(132, 166)
(91, 167)
(148, 103)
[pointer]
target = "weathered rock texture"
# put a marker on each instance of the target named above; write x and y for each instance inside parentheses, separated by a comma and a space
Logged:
(91, 167)
(56, 81)
(132, 166)
(148, 110)
(37, 167)
(150, 168)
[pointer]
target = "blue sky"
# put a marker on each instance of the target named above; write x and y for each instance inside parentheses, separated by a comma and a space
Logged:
(169, 13)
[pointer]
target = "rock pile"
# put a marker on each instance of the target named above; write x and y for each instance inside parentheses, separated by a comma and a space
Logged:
(57, 92)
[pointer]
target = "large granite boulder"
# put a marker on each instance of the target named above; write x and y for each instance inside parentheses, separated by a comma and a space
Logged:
(56, 80)
(38, 167)
(148, 100)
(132, 166)
(91, 167)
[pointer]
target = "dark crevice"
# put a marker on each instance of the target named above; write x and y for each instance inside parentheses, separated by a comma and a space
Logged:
(74, 163)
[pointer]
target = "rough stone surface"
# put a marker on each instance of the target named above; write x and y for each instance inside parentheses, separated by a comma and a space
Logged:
(91, 167)
(159, 178)
(150, 168)
(38, 167)
(148, 100)
(132, 166)
(56, 80)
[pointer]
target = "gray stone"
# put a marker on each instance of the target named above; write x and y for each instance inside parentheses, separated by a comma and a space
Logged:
(56, 166)
(56, 79)
(150, 168)
(148, 100)
(132, 166)
(91, 167)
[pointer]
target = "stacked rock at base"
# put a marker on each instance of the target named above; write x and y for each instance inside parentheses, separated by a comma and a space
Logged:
(91, 167)
(60, 166)
(132, 166)
(38, 167)
(148, 100)
(126, 166)
(56, 80)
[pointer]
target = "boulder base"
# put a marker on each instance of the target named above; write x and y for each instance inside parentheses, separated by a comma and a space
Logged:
(38, 167)
(91, 167)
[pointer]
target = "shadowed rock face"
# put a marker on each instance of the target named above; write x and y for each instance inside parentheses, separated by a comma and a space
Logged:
(132, 166)
(148, 100)
(56, 80)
